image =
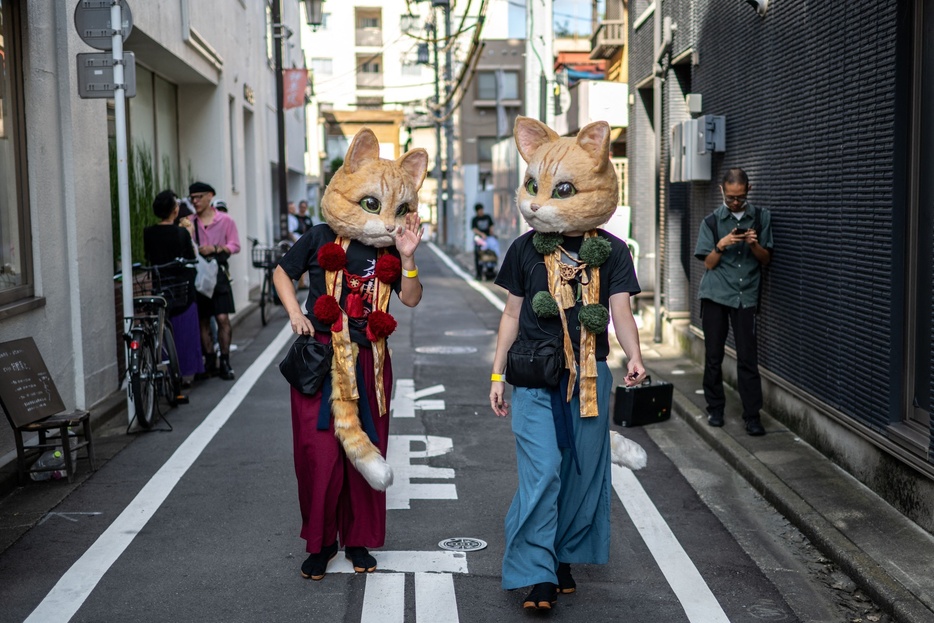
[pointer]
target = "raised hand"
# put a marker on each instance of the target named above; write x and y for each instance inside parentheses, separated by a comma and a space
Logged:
(409, 235)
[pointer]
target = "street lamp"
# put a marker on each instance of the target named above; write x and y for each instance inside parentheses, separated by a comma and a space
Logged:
(314, 13)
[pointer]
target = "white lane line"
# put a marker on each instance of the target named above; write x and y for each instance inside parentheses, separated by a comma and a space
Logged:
(435, 601)
(440, 561)
(73, 588)
(428, 391)
(384, 599)
(497, 303)
(685, 580)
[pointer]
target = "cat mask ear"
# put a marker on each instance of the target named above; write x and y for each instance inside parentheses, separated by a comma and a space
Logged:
(594, 138)
(363, 148)
(415, 163)
(530, 135)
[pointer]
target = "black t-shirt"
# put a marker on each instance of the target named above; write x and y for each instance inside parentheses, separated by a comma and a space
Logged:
(524, 274)
(361, 260)
(161, 245)
(483, 223)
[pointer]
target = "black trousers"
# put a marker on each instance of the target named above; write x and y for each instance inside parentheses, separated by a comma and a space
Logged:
(716, 320)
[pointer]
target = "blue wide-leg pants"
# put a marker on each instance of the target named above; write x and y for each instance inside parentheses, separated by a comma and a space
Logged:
(558, 515)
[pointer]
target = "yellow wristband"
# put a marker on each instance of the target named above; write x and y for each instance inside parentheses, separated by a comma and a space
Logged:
(411, 274)
(498, 377)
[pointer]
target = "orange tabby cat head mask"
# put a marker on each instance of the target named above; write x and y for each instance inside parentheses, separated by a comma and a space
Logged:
(570, 184)
(369, 196)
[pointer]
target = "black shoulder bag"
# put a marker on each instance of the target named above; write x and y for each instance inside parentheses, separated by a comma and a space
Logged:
(307, 364)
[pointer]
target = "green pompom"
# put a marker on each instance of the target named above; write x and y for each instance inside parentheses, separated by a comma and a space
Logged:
(595, 251)
(544, 305)
(546, 244)
(594, 317)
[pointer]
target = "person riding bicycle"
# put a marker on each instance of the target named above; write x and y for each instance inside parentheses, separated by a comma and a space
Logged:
(163, 243)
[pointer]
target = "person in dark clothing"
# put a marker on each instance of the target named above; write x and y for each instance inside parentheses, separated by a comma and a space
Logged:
(482, 226)
(162, 244)
(734, 243)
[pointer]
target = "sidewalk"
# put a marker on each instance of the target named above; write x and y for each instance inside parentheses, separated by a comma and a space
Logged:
(886, 554)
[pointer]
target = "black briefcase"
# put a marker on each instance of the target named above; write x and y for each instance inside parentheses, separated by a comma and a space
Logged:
(643, 404)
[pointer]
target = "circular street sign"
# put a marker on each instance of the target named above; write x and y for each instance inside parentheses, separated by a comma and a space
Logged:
(462, 544)
(92, 21)
(445, 350)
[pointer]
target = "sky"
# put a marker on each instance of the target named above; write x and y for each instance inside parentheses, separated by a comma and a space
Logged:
(575, 14)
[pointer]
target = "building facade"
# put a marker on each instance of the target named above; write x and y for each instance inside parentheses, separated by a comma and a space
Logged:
(204, 109)
(827, 110)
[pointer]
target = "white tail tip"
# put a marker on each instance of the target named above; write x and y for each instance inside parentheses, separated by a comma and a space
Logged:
(626, 453)
(376, 471)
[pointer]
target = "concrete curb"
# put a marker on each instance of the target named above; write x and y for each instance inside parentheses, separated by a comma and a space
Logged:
(887, 592)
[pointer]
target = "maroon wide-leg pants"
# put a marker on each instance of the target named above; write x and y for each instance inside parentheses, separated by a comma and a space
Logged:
(335, 500)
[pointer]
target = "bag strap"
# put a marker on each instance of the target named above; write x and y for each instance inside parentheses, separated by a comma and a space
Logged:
(711, 221)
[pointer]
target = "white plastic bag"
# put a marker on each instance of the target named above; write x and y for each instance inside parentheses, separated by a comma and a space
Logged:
(206, 277)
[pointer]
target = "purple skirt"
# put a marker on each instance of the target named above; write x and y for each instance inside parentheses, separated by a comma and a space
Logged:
(188, 341)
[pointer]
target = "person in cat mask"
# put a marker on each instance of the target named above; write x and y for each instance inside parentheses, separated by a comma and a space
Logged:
(363, 253)
(734, 242)
(564, 279)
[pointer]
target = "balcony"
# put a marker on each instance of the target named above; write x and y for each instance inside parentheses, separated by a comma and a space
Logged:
(367, 80)
(369, 37)
(609, 38)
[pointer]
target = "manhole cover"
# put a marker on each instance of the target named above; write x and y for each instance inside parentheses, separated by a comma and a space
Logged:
(462, 544)
(469, 332)
(445, 350)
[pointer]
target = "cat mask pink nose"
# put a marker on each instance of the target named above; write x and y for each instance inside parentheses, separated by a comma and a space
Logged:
(535, 207)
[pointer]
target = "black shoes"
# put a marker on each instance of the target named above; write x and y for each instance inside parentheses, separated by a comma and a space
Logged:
(754, 427)
(566, 584)
(316, 565)
(210, 368)
(361, 559)
(226, 372)
(542, 597)
(715, 419)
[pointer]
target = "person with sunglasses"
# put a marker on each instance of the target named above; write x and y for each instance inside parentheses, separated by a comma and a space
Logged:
(734, 242)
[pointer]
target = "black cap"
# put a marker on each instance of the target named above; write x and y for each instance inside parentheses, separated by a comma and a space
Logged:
(200, 187)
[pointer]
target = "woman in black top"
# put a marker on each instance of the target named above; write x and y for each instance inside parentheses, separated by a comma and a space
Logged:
(163, 243)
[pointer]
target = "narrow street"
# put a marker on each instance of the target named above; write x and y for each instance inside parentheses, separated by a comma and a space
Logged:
(201, 523)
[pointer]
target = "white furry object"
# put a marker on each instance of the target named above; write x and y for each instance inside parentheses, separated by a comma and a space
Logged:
(626, 453)
(376, 471)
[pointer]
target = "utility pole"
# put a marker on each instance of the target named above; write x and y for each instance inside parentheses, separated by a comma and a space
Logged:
(449, 121)
(439, 170)
(279, 34)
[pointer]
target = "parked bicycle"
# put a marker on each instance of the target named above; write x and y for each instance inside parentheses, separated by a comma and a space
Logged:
(267, 258)
(152, 358)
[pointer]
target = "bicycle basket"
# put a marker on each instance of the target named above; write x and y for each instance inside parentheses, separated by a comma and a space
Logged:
(265, 257)
(172, 285)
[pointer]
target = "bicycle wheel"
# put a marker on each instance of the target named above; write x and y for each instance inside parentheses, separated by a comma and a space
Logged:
(143, 382)
(263, 295)
(172, 381)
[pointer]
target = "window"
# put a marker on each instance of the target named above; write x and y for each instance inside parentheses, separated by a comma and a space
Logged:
(322, 66)
(411, 69)
(485, 148)
(487, 85)
(15, 249)
(369, 22)
(325, 18)
(369, 103)
(370, 66)
(270, 38)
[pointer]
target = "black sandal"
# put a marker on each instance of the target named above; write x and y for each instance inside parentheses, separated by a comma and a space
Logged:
(566, 583)
(542, 597)
(361, 559)
(316, 565)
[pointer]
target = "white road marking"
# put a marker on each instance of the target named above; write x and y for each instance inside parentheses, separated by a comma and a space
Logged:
(435, 600)
(428, 391)
(497, 303)
(68, 516)
(73, 588)
(400, 454)
(384, 599)
(430, 405)
(436, 561)
(403, 405)
(685, 580)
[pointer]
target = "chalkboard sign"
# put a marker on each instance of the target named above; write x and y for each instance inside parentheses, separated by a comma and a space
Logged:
(27, 392)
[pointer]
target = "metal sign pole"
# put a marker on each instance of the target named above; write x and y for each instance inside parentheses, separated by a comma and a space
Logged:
(123, 182)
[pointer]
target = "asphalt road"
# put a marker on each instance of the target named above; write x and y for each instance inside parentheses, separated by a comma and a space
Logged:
(201, 523)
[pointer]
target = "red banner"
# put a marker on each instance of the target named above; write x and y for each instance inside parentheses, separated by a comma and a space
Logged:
(294, 82)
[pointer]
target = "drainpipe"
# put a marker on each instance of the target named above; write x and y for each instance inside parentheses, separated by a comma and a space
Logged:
(657, 117)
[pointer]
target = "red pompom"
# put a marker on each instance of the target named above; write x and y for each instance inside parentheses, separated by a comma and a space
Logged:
(388, 268)
(379, 325)
(331, 257)
(326, 309)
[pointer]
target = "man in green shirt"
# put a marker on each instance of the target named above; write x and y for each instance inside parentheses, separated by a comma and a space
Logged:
(734, 242)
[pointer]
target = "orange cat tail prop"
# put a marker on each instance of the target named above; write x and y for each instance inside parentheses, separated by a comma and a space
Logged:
(357, 446)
